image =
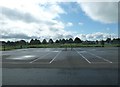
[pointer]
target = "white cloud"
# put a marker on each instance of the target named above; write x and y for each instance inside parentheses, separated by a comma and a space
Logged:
(80, 23)
(96, 36)
(34, 19)
(69, 24)
(105, 12)
(23, 19)
(97, 0)
(36, 9)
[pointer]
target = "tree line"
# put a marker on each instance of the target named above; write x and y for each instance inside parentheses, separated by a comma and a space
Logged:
(60, 41)
(44, 41)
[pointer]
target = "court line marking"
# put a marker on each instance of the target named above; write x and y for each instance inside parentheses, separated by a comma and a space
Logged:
(39, 58)
(83, 56)
(100, 57)
(54, 57)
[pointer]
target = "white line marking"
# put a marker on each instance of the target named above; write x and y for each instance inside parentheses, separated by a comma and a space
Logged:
(99, 57)
(82, 51)
(98, 62)
(83, 57)
(54, 51)
(54, 57)
(39, 58)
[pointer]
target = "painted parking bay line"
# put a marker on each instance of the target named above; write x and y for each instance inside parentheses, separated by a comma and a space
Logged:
(39, 58)
(100, 57)
(55, 57)
(83, 57)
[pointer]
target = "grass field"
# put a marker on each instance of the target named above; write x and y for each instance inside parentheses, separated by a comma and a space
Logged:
(56, 46)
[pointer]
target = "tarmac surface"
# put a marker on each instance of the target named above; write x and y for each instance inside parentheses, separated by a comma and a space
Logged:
(60, 66)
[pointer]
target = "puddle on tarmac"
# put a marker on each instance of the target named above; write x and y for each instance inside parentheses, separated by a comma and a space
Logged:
(26, 57)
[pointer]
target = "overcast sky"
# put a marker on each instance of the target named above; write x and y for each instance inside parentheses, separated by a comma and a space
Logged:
(26, 19)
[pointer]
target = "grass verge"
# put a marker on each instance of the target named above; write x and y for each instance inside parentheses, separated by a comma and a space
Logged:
(56, 46)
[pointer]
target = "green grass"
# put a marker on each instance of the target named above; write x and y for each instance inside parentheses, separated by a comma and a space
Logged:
(57, 46)
(0, 47)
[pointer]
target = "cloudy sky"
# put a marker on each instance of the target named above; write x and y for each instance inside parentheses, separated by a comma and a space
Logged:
(26, 19)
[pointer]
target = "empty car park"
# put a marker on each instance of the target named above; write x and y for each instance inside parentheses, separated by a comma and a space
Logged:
(61, 66)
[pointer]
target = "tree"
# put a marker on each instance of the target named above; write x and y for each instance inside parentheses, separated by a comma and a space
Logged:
(60, 41)
(116, 41)
(102, 43)
(44, 41)
(70, 40)
(22, 42)
(63, 41)
(51, 41)
(97, 41)
(77, 40)
(3, 42)
(66, 41)
(37, 41)
(31, 42)
(57, 41)
(108, 40)
(34, 42)
(10, 43)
